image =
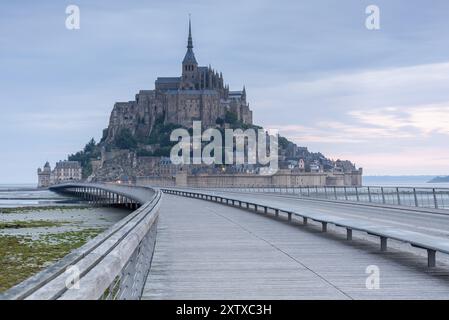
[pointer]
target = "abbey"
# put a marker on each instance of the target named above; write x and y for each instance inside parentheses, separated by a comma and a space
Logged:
(198, 94)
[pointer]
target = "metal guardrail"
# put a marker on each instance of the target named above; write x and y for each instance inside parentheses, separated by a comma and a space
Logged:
(115, 264)
(435, 198)
(431, 244)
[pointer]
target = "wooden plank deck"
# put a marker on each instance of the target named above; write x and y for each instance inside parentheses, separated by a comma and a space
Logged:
(206, 250)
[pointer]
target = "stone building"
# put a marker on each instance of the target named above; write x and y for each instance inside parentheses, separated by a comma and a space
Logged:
(198, 94)
(67, 171)
(64, 171)
(44, 176)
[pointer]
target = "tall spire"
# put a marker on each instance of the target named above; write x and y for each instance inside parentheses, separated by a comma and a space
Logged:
(189, 58)
(190, 42)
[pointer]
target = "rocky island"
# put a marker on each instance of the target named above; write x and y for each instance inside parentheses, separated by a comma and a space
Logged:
(136, 145)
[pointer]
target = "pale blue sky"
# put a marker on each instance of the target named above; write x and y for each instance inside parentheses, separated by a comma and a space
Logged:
(311, 68)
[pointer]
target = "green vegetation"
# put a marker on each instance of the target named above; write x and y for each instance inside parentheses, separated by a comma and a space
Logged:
(125, 140)
(37, 209)
(160, 135)
(162, 151)
(31, 224)
(21, 256)
(231, 117)
(84, 157)
(283, 142)
(219, 121)
(144, 153)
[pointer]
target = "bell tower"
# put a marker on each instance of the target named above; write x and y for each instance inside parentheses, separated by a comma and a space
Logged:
(189, 65)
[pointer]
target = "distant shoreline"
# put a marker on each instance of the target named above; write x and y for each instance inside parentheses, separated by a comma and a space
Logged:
(441, 179)
(12, 189)
(19, 187)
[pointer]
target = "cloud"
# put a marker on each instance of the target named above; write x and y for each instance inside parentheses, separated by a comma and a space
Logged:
(387, 115)
(424, 119)
(364, 126)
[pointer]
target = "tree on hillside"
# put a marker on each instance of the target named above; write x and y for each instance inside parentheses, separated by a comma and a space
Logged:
(125, 140)
(230, 117)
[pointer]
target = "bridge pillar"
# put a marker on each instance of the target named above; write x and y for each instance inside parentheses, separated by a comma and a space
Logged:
(348, 234)
(383, 244)
(289, 214)
(431, 258)
(304, 221)
(324, 226)
(276, 212)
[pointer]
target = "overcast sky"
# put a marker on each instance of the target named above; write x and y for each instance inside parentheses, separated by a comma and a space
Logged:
(311, 68)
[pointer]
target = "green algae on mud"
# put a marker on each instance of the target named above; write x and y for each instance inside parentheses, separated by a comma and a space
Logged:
(42, 208)
(19, 224)
(22, 256)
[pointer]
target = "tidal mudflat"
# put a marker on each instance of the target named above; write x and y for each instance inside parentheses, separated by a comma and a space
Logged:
(32, 238)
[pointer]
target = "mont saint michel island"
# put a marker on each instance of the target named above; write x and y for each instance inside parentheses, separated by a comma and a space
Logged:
(136, 146)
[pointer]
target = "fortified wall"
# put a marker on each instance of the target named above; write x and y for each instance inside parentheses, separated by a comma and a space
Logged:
(282, 178)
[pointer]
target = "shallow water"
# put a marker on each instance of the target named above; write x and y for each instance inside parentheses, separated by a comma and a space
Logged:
(11, 198)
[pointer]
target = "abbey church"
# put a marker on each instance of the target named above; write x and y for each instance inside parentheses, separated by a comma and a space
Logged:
(198, 94)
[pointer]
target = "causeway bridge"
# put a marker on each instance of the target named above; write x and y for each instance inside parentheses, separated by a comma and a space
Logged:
(252, 243)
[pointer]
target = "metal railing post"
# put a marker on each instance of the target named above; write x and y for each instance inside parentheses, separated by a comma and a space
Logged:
(399, 196)
(383, 195)
(435, 200)
(416, 197)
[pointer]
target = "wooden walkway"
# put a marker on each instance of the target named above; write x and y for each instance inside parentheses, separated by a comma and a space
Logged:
(206, 250)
